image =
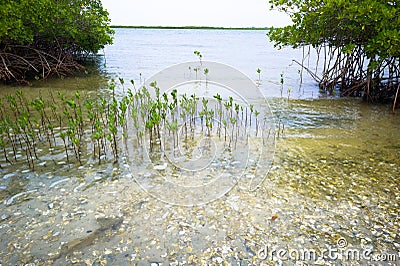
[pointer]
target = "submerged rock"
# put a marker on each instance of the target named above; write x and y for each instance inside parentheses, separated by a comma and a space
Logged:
(104, 224)
(161, 166)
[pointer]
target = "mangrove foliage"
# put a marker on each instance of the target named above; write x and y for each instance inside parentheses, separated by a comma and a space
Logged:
(41, 38)
(357, 44)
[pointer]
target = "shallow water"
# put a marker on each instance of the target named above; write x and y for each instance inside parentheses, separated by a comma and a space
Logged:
(335, 176)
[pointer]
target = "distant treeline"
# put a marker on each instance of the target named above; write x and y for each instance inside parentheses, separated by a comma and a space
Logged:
(189, 27)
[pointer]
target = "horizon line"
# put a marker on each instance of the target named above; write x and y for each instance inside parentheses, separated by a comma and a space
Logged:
(190, 27)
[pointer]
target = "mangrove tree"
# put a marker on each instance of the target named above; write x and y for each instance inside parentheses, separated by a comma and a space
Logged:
(357, 44)
(49, 37)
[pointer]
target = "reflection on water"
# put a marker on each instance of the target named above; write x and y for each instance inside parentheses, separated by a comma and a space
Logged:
(335, 174)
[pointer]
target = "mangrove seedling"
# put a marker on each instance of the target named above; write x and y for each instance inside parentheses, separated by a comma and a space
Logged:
(225, 124)
(199, 55)
(219, 111)
(122, 81)
(251, 112)
(206, 71)
(256, 113)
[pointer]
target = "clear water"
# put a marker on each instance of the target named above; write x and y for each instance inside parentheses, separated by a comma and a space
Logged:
(335, 175)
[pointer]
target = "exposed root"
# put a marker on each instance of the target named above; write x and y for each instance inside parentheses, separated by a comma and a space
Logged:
(22, 63)
(352, 75)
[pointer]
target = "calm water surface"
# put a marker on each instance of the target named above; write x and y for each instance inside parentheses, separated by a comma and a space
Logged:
(145, 52)
(335, 175)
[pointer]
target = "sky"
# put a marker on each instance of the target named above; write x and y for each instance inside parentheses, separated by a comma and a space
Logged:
(216, 13)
